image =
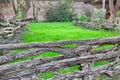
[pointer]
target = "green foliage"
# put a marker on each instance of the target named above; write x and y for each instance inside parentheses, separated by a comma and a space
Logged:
(97, 15)
(20, 11)
(82, 18)
(4, 2)
(118, 14)
(60, 12)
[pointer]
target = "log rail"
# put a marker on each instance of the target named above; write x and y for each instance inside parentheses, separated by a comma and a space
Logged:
(82, 54)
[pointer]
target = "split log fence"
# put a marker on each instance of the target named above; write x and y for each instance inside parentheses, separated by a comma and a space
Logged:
(87, 25)
(106, 24)
(82, 55)
(11, 32)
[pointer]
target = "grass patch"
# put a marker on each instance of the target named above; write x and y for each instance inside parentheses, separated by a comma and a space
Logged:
(51, 74)
(44, 32)
(95, 64)
(69, 46)
(46, 75)
(46, 54)
(50, 54)
(18, 50)
(104, 47)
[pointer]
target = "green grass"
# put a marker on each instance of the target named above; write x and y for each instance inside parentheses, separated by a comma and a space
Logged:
(55, 31)
(42, 32)
(51, 74)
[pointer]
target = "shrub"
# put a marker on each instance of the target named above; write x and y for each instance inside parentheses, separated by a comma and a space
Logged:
(118, 14)
(82, 18)
(97, 15)
(61, 12)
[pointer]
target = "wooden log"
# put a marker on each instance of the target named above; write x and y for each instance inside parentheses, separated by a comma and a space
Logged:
(20, 78)
(95, 71)
(27, 64)
(8, 32)
(62, 63)
(63, 51)
(23, 20)
(27, 45)
(114, 72)
(114, 40)
(10, 57)
(31, 79)
(7, 28)
(6, 68)
(102, 51)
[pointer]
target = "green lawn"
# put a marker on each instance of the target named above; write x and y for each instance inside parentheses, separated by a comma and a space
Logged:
(47, 31)
(42, 32)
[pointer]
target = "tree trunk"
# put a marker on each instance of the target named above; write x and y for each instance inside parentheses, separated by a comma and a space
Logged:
(114, 8)
(103, 11)
(21, 9)
(35, 11)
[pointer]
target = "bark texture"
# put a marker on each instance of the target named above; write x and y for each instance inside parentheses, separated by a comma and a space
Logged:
(83, 54)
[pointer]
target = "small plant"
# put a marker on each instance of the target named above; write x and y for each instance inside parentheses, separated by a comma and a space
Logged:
(97, 15)
(118, 14)
(82, 18)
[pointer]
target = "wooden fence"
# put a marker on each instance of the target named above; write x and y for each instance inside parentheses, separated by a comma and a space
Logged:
(87, 25)
(11, 32)
(82, 54)
(106, 24)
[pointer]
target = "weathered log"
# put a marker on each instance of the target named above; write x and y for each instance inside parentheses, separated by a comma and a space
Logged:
(66, 52)
(27, 64)
(20, 78)
(99, 41)
(114, 72)
(114, 40)
(79, 74)
(63, 63)
(8, 32)
(114, 48)
(27, 45)
(23, 20)
(30, 79)
(10, 57)
(62, 51)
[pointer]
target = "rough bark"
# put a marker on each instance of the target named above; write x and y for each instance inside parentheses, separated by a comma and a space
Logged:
(63, 51)
(114, 8)
(80, 54)
(14, 56)
(96, 71)
(27, 64)
(114, 40)
(61, 64)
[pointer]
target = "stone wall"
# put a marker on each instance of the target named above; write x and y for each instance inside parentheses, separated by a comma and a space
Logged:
(8, 12)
